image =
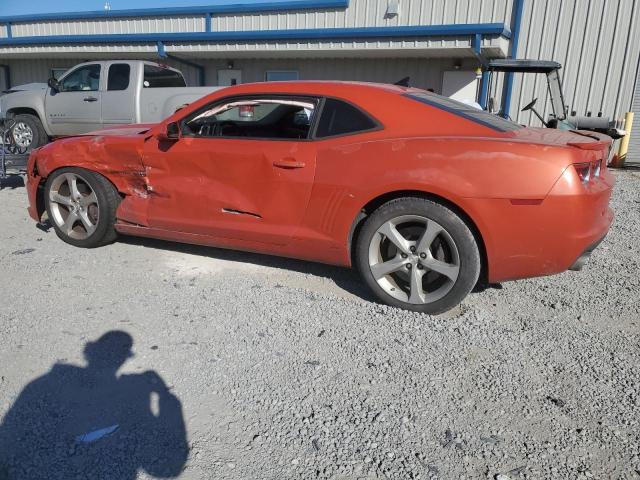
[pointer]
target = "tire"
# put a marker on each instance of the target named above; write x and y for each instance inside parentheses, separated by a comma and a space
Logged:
(86, 221)
(441, 250)
(29, 123)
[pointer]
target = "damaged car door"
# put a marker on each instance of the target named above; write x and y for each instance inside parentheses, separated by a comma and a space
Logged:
(239, 168)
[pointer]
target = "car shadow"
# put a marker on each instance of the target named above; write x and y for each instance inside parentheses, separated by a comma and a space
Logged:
(90, 422)
(345, 278)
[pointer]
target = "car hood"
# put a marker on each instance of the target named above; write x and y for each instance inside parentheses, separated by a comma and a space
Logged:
(119, 131)
(27, 87)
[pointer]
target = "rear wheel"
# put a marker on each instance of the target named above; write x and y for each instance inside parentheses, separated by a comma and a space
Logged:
(418, 255)
(82, 207)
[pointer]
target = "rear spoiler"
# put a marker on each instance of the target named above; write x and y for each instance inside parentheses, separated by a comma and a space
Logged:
(599, 145)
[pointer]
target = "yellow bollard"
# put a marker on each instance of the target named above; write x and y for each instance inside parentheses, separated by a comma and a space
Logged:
(619, 159)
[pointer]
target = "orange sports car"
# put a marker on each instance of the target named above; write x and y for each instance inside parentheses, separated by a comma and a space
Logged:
(425, 196)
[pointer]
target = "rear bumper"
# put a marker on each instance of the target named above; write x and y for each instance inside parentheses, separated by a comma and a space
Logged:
(535, 240)
(584, 257)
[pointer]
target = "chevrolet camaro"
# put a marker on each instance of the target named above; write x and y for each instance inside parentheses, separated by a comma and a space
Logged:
(425, 196)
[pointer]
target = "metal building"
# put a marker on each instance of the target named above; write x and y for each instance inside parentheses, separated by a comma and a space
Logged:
(438, 43)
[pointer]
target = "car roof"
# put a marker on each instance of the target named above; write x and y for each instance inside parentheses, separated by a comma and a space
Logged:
(316, 87)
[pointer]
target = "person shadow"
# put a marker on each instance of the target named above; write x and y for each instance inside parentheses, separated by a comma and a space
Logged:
(89, 422)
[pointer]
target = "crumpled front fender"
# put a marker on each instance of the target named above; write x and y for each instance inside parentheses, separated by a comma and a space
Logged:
(117, 158)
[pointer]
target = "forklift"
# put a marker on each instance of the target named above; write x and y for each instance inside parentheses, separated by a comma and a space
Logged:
(559, 118)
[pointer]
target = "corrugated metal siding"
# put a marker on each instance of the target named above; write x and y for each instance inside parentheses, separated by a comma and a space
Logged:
(27, 71)
(332, 48)
(423, 47)
(424, 73)
(119, 25)
(597, 43)
(633, 155)
(365, 13)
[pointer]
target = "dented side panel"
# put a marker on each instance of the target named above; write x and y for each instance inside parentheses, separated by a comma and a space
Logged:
(118, 158)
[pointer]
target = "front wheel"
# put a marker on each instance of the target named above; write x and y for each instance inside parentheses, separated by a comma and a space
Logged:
(418, 255)
(28, 132)
(81, 205)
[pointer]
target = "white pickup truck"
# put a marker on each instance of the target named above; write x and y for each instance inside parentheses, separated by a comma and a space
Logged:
(96, 95)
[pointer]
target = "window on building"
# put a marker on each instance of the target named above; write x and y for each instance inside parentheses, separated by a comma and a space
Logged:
(118, 76)
(159, 77)
(83, 79)
(340, 118)
(264, 117)
(281, 75)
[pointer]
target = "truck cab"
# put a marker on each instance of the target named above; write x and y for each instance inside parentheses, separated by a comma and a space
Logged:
(96, 95)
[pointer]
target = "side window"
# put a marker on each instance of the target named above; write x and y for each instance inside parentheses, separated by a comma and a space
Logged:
(118, 76)
(340, 118)
(84, 79)
(159, 77)
(257, 117)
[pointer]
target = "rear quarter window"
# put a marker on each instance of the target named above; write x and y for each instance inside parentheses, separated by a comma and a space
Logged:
(463, 110)
(342, 118)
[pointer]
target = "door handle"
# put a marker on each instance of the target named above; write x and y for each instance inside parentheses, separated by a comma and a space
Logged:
(90, 99)
(288, 163)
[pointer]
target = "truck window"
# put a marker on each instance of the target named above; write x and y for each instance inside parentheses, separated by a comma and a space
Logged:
(83, 79)
(158, 77)
(118, 76)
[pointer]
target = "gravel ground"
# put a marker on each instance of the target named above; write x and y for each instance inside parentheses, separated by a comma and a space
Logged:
(254, 367)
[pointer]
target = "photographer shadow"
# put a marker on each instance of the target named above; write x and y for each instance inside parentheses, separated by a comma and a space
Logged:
(90, 422)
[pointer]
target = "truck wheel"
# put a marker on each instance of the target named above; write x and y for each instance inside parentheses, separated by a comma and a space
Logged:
(28, 132)
(81, 205)
(418, 255)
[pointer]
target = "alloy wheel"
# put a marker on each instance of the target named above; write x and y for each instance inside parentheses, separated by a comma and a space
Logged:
(22, 135)
(74, 205)
(414, 259)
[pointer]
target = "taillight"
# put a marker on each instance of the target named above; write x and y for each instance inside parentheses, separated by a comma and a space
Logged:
(584, 171)
(588, 170)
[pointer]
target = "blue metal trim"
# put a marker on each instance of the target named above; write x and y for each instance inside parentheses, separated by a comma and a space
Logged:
(7, 75)
(518, 7)
(161, 51)
(297, 34)
(477, 43)
(248, 7)
(207, 22)
(484, 79)
(484, 90)
(9, 34)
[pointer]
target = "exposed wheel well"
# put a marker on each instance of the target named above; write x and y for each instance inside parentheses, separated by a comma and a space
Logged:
(377, 202)
(40, 204)
(24, 110)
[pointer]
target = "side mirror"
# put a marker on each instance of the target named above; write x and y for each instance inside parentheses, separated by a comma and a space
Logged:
(54, 84)
(169, 132)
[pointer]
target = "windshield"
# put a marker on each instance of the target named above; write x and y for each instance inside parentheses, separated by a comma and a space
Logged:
(555, 91)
